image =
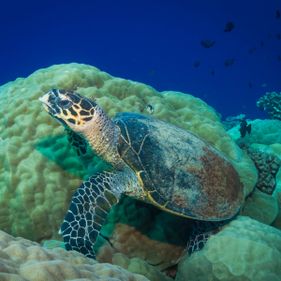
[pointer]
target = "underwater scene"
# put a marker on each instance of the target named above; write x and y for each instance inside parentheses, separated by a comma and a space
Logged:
(140, 140)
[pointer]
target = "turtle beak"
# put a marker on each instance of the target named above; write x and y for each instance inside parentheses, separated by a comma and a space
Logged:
(45, 99)
(45, 103)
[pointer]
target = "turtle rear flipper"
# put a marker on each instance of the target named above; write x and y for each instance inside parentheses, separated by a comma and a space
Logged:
(87, 212)
(201, 232)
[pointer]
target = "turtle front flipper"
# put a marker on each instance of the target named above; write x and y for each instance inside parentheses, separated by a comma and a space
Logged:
(77, 141)
(88, 209)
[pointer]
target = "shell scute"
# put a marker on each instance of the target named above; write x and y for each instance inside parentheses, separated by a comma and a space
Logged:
(181, 173)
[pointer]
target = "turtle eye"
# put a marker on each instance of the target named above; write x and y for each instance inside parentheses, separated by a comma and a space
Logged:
(65, 104)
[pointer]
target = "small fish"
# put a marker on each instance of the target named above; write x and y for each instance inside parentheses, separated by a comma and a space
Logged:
(279, 57)
(278, 14)
(261, 43)
(196, 63)
(250, 84)
(149, 108)
(207, 43)
(278, 36)
(263, 85)
(229, 26)
(212, 72)
(244, 128)
(229, 62)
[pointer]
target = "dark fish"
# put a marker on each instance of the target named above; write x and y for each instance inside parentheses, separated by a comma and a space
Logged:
(278, 36)
(212, 72)
(207, 43)
(244, 128)
(261, 43)
(279, 57)
(196, 63)
(278, 14)
(229, 26)
(229, 62)
(252, 50)
(250, 84)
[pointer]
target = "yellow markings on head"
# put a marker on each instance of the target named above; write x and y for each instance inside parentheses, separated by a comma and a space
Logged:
(76, 115)
(68, 116)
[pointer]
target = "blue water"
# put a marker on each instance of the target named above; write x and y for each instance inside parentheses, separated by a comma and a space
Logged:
(155, 42)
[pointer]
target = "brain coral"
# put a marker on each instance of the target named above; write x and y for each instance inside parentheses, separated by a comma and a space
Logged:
(267, 165)
(39, 170)
(23, 260)
(244, 250)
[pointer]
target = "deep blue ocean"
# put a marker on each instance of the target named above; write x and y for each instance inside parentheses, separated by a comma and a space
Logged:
(155, 42)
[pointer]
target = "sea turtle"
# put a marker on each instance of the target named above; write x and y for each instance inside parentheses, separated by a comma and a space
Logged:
(152, 160)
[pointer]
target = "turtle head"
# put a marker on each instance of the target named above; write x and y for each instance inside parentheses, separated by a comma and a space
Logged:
(85, 117)
(69, 108)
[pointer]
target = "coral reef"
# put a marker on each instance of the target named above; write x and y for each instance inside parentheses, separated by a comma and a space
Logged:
(263, 145)
(139, 266)
(277, 221)
(265, 131)
(267, 165)
(140, 230)
(40, 170)
(244, 250)
(232, 121)
(23, 260)
(261, 206)
(271, 103)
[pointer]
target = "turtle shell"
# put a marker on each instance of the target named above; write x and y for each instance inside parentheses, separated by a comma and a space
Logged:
(178, 171)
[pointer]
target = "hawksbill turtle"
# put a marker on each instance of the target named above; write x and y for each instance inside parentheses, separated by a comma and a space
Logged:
(153, 161)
